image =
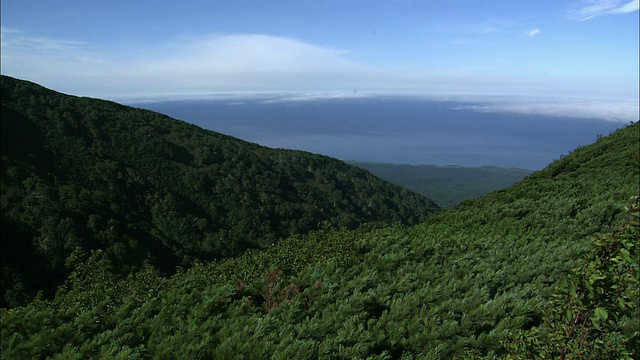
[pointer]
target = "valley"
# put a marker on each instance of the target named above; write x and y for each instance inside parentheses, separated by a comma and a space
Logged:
(129, 234)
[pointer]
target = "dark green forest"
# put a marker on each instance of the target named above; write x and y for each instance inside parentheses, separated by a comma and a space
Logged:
(545, 269)
(447, 185)
(81, 174)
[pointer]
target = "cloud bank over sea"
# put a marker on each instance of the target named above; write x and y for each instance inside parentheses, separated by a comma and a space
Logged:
(399, 129)
(615, 110)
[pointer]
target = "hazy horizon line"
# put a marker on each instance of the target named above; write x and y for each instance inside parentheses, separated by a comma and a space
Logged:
(615, 110)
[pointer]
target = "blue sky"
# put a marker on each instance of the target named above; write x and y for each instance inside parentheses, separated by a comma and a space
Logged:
(578, 53)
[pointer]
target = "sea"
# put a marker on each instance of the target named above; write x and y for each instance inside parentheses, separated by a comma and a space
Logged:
(400, 130)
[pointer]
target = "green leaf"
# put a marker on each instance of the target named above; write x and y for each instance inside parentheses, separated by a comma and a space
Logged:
(625, 254)
(600, 313)
(569, 314)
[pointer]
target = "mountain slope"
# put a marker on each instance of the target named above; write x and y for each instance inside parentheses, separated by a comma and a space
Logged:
(459, 285)
(82, 174)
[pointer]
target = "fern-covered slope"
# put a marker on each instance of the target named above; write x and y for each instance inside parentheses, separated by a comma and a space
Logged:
(456, 286)
(82, 174)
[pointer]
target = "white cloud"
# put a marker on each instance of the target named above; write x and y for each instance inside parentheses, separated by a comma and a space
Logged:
(588, 9)
(616, 111)
(242, 65)
(250, 55)
(40, 57)
(488, 29)
(494, 26)
(6, 30)
(610, 110)
(631, 6)
(212, 63)
(215, 63)
(15, 40)
(533, 32)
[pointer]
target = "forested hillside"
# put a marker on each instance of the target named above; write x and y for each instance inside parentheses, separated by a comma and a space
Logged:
(447, 185)
(547, 268)
(81, 174)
